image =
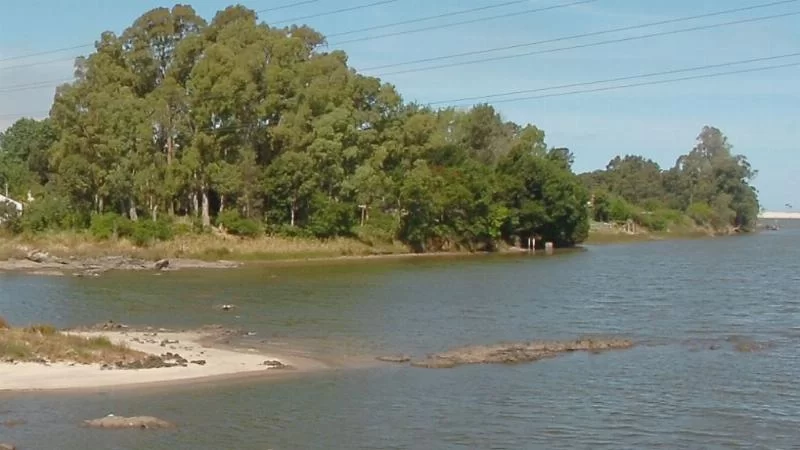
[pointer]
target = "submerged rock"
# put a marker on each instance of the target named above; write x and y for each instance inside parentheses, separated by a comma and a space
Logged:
(394, 358)
(117, 422)
(515, 353)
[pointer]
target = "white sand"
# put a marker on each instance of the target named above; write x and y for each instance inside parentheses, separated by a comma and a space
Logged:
(219, 362)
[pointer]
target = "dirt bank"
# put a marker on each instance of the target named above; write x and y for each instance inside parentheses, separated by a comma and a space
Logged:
(42, 263)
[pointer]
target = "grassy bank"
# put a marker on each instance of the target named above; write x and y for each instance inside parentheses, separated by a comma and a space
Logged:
(604, 233)
(43, 343)
(206, 247)
(270, 248)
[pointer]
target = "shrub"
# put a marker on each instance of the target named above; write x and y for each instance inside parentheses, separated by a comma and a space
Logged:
(331, 219)
(619, 210)
(4, 325)
(146, 232)
(51, 213)
(110, 225)
(237, 225)
(701, 213)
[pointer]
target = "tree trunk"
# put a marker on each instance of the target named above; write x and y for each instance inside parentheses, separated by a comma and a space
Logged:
(221, 202)
(132, 211)
(205, 207)
(100, 205)
(293, 209)
(170, 148)
(154, 213)
(195, 204)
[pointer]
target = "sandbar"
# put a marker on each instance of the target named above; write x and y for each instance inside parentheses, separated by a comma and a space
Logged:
(214, 361)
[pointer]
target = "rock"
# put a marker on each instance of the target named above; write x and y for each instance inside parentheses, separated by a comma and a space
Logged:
(226, 307)
(38, 256)
(7, 446)
(394, 358)
(162, 264)
(274, 364)
(117, 422)
(199, 362)
(167, 342)
(515, 353)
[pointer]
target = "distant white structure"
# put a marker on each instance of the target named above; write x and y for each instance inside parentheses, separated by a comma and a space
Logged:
(776, 215)
(16, 204)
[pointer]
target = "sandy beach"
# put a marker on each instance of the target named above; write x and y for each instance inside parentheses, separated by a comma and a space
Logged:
(204, 360)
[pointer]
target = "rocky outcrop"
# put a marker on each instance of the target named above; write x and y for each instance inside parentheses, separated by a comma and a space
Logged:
(515, 353)
(40, 262)
(117, 422)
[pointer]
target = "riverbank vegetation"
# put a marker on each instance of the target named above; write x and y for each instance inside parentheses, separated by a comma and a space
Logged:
(708, 188)
(182, 130)
(44, 343)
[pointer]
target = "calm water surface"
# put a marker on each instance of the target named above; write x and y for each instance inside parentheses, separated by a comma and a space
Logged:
(669, 392)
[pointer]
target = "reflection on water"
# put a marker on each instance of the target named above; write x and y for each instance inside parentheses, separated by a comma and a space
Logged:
(675, 391)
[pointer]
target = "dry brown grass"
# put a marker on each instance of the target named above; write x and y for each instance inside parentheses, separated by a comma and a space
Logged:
(44, 343)
(4, 323)
(209, 246)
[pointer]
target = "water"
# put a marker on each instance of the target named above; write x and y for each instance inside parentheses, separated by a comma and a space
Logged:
(666, 393)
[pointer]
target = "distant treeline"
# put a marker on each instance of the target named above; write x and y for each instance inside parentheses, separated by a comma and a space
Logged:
(178, 124)
(709, 185)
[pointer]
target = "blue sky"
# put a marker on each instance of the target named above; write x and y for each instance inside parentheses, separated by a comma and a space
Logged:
(760, 112)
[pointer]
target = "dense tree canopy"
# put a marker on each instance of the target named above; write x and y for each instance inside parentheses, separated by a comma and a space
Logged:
(256, 129)
(710, 184)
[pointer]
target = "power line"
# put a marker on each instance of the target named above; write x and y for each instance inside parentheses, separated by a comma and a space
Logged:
(559, 94)
(582, 35)
(591, 44)
(465, 22)
(422, 19)
(650, 83)
(337, 11)
(77, 47)
(553, 50)
(287, 6)
(624, 78)
(37, 85)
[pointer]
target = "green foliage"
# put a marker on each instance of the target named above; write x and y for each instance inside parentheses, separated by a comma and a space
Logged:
(619, 210)
(261, 129)
(709, 184)
(146, 232)
(110, 225)
(52, 213)
(237, 225)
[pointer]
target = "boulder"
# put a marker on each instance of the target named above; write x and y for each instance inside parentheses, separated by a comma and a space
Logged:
(117, 422)
(274, 364)
(162, 264)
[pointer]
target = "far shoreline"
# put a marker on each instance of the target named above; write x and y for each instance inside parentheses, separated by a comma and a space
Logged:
(134, 260)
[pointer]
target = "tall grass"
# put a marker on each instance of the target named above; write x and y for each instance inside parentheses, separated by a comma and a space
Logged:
(201, 246)
(45, 343)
